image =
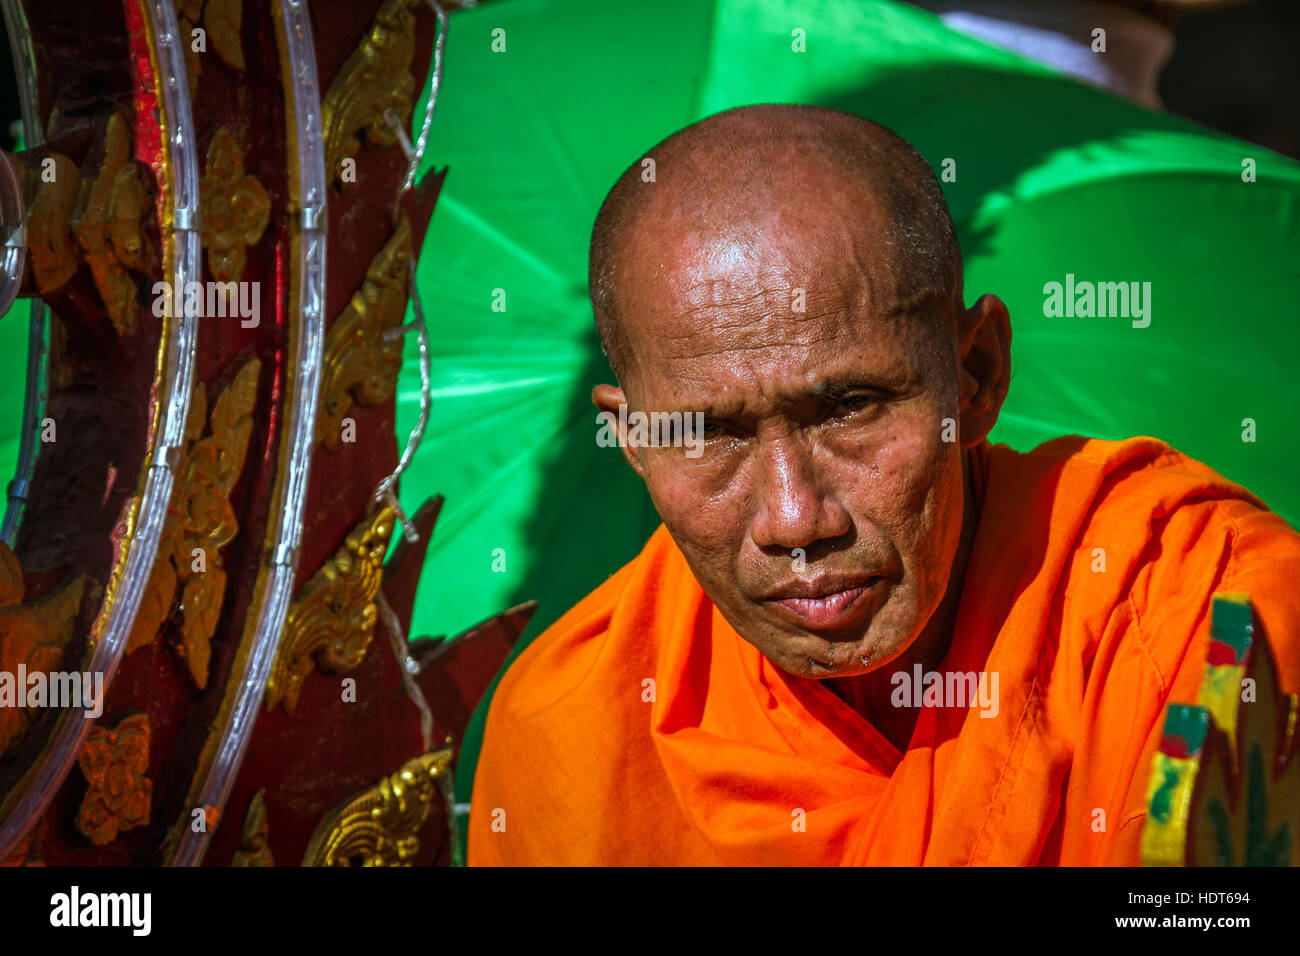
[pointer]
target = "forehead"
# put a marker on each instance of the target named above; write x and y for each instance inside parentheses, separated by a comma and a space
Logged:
(779, 301)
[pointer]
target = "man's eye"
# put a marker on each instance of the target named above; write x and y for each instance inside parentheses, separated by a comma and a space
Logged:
(851, 404)
(711, 429)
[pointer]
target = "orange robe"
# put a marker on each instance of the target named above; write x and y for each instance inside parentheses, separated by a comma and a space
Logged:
(732, 761)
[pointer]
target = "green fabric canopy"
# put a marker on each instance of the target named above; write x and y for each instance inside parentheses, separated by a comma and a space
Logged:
(13, 374)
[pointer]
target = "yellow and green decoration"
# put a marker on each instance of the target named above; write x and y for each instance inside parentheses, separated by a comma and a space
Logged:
(1206, 812)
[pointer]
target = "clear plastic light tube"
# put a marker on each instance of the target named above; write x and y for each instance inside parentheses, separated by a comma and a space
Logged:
(178, 130)
(20, 47)
(300, 429)
(13, 224)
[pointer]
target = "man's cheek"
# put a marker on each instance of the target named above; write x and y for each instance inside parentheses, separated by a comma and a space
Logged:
(708, 524)
(919, 470)
(897, 498)
(908, 455)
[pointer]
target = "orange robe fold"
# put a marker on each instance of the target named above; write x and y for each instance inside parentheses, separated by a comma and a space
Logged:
(641, 729)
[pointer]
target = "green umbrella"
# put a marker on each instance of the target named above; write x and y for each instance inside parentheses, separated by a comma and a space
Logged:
(545, 103)
(13, 376)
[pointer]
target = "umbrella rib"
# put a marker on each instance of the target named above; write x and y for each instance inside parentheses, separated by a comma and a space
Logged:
(450, 392)
(571, 164)
(468, 502)
(514, 248)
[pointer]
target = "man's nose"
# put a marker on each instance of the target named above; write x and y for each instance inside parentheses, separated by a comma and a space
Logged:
(794, 509)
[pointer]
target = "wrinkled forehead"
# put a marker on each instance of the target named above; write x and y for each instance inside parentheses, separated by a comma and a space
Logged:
(774, 289)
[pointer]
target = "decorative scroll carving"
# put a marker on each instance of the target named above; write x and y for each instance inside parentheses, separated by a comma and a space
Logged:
(235, 207)
(380, 826)
(200, 521)
(332, 619)
(254, 848)
(32, 638)
(375, 77)
(360, 363)
(115, 763)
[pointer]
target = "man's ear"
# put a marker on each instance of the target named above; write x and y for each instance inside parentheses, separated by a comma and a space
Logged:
(984, 357)
(609, 400)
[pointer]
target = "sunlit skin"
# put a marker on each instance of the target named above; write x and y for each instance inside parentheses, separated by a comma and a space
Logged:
(825, 428)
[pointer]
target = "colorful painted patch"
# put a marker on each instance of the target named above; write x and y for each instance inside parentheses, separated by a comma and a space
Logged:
(1169, 789)
(1231, 628)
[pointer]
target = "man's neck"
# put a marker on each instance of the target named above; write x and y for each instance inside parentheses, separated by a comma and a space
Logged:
(870, 694)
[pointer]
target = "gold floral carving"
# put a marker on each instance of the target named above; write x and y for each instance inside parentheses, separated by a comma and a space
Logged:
(105, 214)
(31, 635)
(380, 826)
(332, 619)
(360, 363)
(235, 207)
(108, 226)
(254, 848)
(200, 521)
(375, 77)
(115, 763)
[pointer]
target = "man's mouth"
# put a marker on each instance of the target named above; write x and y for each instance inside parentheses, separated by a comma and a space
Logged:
(823, 604)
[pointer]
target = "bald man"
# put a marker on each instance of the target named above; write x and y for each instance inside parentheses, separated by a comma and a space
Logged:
(863, 634)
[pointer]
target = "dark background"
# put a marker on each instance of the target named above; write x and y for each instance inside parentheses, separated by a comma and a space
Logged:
(1238, 70)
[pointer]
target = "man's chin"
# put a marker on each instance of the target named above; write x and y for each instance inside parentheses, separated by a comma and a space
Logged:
(819, 656)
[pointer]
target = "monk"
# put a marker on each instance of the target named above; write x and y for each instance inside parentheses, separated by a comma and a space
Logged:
(863, 634)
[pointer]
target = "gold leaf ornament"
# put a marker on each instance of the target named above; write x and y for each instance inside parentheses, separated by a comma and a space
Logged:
(374, 78)
(109, 225)
(235, 208)
(360, 364)
(200, 518)
(254, 838)
(380, 826)
(332, 619)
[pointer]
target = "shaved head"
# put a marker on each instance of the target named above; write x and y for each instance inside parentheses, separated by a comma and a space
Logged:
(748, 170)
